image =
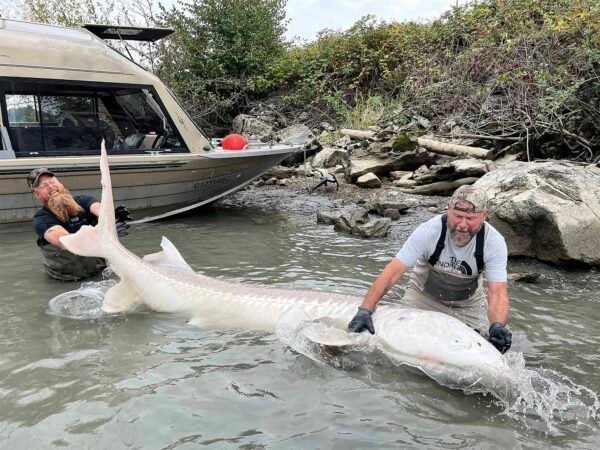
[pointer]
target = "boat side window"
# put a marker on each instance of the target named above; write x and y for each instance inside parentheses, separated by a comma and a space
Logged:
(24, 122)
(152, 129)
(47, 119)
(70, 123)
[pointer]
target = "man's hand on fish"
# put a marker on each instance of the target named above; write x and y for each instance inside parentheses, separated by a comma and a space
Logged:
(122, 229)
(121, 217)
(122, 214)
(362, 321)
(500, 337)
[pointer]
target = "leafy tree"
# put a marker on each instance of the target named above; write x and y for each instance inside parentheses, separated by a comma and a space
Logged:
(218, 48)
(69, 13)
(75, 13)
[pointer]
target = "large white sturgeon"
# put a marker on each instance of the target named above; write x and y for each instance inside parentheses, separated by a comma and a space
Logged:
(440, 345)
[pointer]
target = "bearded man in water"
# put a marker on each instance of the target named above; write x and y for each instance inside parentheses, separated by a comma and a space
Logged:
(62, 214)
(450, 254)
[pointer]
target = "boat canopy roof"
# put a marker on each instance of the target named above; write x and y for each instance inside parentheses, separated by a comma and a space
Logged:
(49, 54)
(127, 33)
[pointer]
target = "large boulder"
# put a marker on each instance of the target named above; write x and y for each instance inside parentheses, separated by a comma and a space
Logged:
(549, 210)
(252, 127)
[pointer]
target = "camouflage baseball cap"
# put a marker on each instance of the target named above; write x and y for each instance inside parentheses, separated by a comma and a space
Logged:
(470, 194)
(34, 176)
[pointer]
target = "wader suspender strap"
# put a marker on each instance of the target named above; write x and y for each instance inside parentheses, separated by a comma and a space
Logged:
(479, 243)
(433, 259)
(479, 248)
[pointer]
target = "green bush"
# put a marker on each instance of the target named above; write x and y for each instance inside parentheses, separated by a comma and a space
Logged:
(514, 67)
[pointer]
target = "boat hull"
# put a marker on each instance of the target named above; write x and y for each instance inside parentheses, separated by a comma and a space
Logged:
(160, 185)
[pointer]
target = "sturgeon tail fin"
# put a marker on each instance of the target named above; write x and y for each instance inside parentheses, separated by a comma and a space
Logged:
(91, 241)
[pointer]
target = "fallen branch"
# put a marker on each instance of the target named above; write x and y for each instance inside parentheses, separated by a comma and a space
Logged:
(484, 137)
(445, 148)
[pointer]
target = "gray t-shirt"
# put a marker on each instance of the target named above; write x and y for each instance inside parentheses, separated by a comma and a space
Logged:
(461, 260)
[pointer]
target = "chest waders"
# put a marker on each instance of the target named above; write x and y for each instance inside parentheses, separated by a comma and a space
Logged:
(65, 266)
(445, 286)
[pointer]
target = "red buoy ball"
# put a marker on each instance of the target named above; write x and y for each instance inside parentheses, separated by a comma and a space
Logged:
(234, 142)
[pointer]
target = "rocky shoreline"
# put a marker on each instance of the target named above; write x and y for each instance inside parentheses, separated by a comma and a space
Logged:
(366, 180)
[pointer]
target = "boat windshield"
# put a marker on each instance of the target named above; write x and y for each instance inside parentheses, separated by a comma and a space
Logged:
(50, 119)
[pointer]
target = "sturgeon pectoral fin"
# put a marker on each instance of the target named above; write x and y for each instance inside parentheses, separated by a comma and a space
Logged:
(295, 326)
(121, 298)
(331, 333)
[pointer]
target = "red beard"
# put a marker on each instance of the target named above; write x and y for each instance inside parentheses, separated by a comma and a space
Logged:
(63, 205)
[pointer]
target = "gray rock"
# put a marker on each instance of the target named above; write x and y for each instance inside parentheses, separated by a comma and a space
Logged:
(401, 174)
(328, 217)
(393, 214)
(373, 228)
(423, 122)
(343, 142)
(252, 126)
(548, 210)
(327, 126)
(470, 167)
(380, 205)
(347, 221)
(357, 222)
(330, 157)
(421, 171)
(369, 180)
(295, 134)
(436, 172)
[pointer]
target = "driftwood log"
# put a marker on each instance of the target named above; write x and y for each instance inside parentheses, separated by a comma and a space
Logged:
(440, 187)
(446, 148)
(443, 148)
(357, 134)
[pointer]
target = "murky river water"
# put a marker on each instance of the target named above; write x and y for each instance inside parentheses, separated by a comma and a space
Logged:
(149, 380)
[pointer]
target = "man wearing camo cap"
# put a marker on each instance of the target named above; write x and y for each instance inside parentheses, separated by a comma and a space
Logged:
(449, 255)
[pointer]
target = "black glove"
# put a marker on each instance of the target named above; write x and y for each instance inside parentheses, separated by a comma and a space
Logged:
(362, 321)
(122, 228)
(122, 214)
(500, 337)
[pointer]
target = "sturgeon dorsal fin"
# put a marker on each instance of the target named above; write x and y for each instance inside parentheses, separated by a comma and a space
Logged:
(169, 257)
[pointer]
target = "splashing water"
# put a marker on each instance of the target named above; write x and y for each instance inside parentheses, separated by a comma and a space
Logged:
(83, 303)
(550, 396)
(537, 398)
